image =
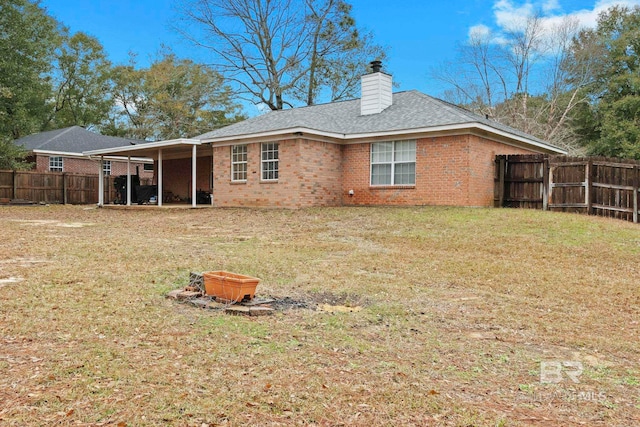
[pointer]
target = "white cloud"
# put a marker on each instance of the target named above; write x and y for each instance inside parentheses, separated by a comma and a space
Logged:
(479, 31)
(510, 14)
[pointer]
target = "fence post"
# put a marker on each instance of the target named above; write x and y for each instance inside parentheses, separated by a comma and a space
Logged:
(545, 183)
(15, 185)
(502, 160)
(64, 188)
(588, 184)
(636, 183)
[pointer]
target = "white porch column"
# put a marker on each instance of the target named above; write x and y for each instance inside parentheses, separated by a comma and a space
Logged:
(101, 182)
(129, 181)
(193, 176)
(159, 177)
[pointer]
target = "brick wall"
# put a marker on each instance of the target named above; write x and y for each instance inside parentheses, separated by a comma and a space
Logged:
(90, 167)
(482, 155)
(176, 178)
(450, 170)
(309, 175)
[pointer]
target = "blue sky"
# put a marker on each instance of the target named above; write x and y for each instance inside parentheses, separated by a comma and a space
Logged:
(420, 34)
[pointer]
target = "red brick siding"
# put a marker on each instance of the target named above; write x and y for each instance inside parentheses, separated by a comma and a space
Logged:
(90, 167)
(482, 155)
(319, 172)
(450, 170)
(176, 178)
(309, 175)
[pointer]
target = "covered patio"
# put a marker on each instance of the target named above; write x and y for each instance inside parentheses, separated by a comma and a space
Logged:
(179, 180)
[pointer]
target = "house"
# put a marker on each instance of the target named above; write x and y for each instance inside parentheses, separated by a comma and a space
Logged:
(61, 151)
(404, 148)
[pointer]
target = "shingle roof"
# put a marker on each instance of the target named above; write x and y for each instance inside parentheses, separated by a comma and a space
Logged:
(410, 110)
(74, 139)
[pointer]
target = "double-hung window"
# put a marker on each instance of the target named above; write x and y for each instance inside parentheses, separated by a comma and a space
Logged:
(269, 163)
(106, 167)
(393, 163)
(238, 163)
(56, 164)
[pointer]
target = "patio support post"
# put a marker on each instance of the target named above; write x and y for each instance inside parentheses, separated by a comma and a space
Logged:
(128, 180)
(159, 177)
(101, 182)
(193, 176)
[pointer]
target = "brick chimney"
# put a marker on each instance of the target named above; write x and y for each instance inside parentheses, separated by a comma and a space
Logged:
(376, 90)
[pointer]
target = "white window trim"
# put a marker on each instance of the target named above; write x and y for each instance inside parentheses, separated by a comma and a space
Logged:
(56, 168)
(276, 161)
(245, 162)
(393, 164)
(106, 167)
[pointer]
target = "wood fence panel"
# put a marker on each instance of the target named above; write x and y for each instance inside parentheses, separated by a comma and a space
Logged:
(589, 185)
(6, 184)
(568, 184)
(57, 187)
(520, 181)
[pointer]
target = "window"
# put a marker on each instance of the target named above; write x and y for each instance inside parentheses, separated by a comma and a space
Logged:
(106, 167)
(56, 164)
(239, 163)
(393, 163)
(270, 161)
(148, 167)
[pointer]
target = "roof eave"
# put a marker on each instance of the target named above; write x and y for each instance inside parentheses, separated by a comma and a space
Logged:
(347, 138)
(145, 146)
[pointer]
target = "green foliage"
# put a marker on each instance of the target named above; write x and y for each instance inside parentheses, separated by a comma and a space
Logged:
(612, 125)
(12, 157)
(82, 83)
(173, 98)
(28, 39)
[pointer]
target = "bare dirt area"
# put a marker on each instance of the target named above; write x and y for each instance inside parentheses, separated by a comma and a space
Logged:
(395, 316)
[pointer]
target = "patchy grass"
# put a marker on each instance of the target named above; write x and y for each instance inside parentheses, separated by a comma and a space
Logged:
(460, 308)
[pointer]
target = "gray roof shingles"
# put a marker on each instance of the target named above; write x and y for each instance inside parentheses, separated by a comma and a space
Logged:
(74, 139)
(410, 110)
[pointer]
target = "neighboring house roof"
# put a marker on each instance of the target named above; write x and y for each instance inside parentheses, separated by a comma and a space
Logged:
(410, 112)
(74, 139)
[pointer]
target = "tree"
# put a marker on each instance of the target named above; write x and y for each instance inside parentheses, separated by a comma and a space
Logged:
(173, 98)
(612, 125)
(28, 39)
(82, 83)
(12, 157)
(283, 52)
(523, 78)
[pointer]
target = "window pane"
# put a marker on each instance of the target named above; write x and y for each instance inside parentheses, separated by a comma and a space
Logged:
(405, 151)
(381, 174)
(270, 161)
(381, 152)
(239, 163)
(405, 174)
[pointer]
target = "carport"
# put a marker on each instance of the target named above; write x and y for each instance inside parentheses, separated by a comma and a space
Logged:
(158, 151)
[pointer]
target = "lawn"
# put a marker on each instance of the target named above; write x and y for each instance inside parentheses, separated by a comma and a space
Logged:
(467, 317)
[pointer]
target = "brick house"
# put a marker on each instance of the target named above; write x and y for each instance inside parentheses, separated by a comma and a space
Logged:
(61, 151)
(404, 148)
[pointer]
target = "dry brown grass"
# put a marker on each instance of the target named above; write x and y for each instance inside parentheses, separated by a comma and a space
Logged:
(460, 307)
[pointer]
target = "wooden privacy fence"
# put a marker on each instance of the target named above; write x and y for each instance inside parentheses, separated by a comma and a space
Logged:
(55, 187)
(589, 185)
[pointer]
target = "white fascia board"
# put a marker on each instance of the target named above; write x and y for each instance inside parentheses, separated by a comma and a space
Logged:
(352, 138)
(457, 127)
(271, 134)
(83, 156)
(146, 145)
(58, 153)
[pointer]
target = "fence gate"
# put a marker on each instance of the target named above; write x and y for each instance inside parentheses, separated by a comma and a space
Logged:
(589, 185)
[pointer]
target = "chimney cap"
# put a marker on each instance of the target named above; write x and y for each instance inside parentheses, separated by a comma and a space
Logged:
(376, 66)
